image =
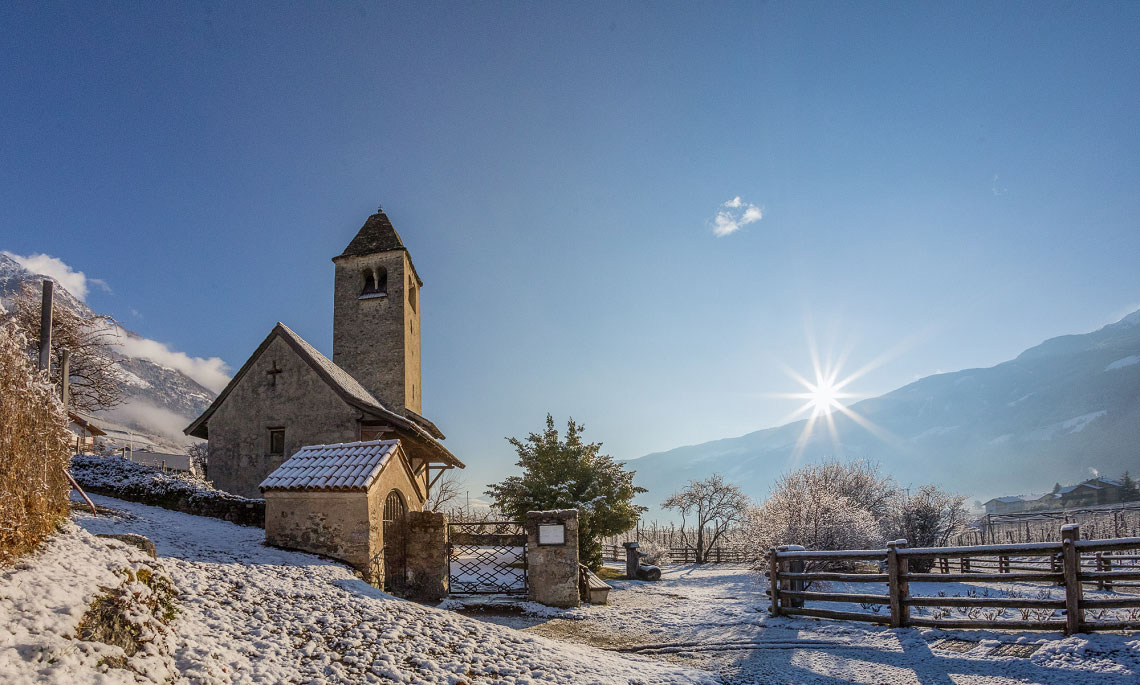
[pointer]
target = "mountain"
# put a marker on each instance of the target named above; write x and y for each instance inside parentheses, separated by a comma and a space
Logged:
(159, 401)
(1059, 409)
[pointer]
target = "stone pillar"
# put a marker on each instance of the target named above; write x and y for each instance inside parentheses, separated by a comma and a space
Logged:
(552, 557)
(426, 555)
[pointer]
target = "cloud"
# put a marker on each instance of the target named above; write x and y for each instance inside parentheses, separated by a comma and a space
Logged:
(75, 282)
(995, 190)
(211, 373)
(145, 416)
(738, 214)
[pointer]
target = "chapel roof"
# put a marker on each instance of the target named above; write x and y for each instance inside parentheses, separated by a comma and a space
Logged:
(341, 382)
(376, 235)
(343, 466)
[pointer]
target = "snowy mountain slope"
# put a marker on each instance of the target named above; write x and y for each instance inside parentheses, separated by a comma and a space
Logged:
(1067, 405)
(160, 400)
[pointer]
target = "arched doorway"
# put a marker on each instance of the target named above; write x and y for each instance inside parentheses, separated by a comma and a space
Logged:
(395, 566)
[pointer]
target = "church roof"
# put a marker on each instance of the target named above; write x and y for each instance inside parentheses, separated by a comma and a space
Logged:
(343, 466)
(341, 382)
(376, 235)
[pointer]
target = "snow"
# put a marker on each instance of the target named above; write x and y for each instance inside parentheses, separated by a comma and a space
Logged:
(252, 613)
(1073, 425)
(1121, 363)
(42, 598)
(715, 617)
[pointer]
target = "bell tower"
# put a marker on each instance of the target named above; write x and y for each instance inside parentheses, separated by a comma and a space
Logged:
(376, 315)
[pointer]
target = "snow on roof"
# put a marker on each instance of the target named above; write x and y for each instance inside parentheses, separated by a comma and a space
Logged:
(343, 466)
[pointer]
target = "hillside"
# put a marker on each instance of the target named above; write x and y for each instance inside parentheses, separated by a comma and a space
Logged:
(1061, 408)
(159, 401)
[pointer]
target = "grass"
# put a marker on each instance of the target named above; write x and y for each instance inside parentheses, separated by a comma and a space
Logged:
(607, 573)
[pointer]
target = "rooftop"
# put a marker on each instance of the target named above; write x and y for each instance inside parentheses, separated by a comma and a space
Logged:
(343, 466)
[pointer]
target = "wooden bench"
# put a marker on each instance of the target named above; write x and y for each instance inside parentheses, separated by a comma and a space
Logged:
(594, 590)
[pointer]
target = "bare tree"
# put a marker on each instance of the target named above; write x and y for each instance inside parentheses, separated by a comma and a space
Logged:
(199, 454)
(445, 492)
(928, 518)
(715, 505)
(90, 339)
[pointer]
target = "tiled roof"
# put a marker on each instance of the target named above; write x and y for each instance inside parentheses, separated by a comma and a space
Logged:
(343, 466)
(376, 235)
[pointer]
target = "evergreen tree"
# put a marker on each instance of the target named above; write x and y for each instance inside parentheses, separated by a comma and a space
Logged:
(571, 474)
(1129, 492)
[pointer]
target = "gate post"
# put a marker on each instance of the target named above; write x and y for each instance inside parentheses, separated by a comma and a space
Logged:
(552, 557)
(426, 555)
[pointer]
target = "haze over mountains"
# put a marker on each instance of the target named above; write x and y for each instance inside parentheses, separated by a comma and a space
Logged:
(1059, 409)
(159, 400)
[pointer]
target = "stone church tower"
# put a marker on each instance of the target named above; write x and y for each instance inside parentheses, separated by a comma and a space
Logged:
(376, 315)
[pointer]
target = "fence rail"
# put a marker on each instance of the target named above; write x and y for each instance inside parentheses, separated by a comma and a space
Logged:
(1072, 563)
(721, 554)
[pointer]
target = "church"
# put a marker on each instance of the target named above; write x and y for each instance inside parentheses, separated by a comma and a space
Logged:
(288, 395)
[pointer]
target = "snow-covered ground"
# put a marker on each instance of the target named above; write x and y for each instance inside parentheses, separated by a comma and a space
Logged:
(250, 613)
(715, 618)
(255, 614)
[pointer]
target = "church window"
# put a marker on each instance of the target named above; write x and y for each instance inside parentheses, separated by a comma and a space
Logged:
(277, 442)
(375, 282)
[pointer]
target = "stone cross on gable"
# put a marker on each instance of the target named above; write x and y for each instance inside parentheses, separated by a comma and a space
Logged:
(272, 373)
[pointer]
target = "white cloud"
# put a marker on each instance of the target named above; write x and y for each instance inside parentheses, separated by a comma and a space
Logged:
(729, 221)
(75, 282)
(147, 417)
(211, 373)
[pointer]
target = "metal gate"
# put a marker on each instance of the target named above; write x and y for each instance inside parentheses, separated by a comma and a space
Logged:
(395, 541)
(487, 558)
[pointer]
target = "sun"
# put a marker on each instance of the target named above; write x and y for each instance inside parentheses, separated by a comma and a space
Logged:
(824, 396)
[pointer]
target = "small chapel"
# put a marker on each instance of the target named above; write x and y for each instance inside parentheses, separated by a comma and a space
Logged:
(288, 396)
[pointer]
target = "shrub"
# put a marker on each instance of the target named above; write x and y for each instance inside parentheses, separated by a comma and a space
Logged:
(34, 449)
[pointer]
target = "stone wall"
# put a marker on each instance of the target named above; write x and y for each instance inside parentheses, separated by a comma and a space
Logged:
(552, 570)
(335, 524)
(239, 510)
(427, 556)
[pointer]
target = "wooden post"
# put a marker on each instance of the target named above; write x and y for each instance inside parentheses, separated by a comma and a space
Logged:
(45, 326)
(965, 564)
(1099, 568)
(774, 580)
(793, 566)
(899, 588)
(1003, 563)
(1070, 533)
(1108, 567)
(65, 379)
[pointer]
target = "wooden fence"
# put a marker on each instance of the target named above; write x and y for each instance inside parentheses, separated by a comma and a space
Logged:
(1072, 563)
(721, 554)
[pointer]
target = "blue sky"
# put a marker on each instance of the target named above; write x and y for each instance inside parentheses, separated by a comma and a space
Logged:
(955, 183)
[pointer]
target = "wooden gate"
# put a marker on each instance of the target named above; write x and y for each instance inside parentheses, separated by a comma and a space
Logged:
(395, 542)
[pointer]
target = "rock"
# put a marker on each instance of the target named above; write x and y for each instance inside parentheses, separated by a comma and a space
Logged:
(139, 541)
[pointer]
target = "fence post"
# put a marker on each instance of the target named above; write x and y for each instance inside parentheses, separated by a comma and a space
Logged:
(965, 564)
(1070, 533)
(1099, 568)
(774, 580)
(796, 585)
(1108, 567)
(1003, 564)
(898, 586)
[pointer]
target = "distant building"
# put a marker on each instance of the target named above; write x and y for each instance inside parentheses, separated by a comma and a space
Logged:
(1090, 493)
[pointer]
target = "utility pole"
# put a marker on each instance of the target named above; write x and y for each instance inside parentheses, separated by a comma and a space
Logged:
(45, 326)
